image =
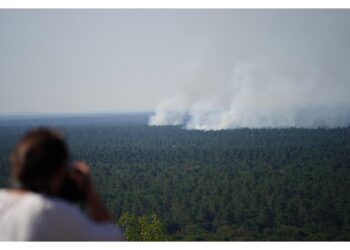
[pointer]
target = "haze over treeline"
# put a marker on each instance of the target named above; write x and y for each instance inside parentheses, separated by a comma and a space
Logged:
(268, 69)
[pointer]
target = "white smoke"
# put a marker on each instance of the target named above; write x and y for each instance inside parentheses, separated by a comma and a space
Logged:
(265, 69)
(170, 112)
(256, 95)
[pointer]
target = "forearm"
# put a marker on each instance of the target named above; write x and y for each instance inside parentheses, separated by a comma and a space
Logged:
(97, 210)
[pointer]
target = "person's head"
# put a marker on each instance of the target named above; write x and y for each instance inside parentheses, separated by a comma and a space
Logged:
(39, 160)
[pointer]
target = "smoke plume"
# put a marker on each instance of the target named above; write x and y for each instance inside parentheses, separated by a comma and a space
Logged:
(295, 77)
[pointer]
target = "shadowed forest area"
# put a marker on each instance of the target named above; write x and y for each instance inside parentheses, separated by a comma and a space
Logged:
(239, 184)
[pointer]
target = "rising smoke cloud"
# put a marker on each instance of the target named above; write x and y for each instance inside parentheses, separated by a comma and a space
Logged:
(301, 81)
(256, 96)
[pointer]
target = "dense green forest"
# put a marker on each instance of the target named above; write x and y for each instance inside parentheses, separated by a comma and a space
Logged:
(239, 184)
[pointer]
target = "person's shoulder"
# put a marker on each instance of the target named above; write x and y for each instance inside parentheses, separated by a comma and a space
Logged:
(33, 208)
(44, 205)
(58, 206)
(29, 201)
(72, 224)
(55, 218)
(57, 214)
(3, 193)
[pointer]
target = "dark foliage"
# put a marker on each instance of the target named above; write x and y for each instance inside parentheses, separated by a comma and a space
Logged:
(242, 184)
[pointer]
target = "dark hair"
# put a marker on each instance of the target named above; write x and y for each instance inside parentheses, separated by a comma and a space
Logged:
(39, 155)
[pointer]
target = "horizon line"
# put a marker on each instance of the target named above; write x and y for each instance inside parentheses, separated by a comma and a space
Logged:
(28, 113)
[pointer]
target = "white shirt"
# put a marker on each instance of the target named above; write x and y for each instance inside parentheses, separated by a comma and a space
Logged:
(34, 217)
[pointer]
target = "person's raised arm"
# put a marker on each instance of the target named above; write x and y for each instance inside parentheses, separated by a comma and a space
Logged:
(97, 210)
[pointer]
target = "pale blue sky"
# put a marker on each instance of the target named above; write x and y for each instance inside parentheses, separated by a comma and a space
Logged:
(130, 60)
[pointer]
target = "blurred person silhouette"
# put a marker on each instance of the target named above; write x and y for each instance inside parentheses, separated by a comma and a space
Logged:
(40, 205)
